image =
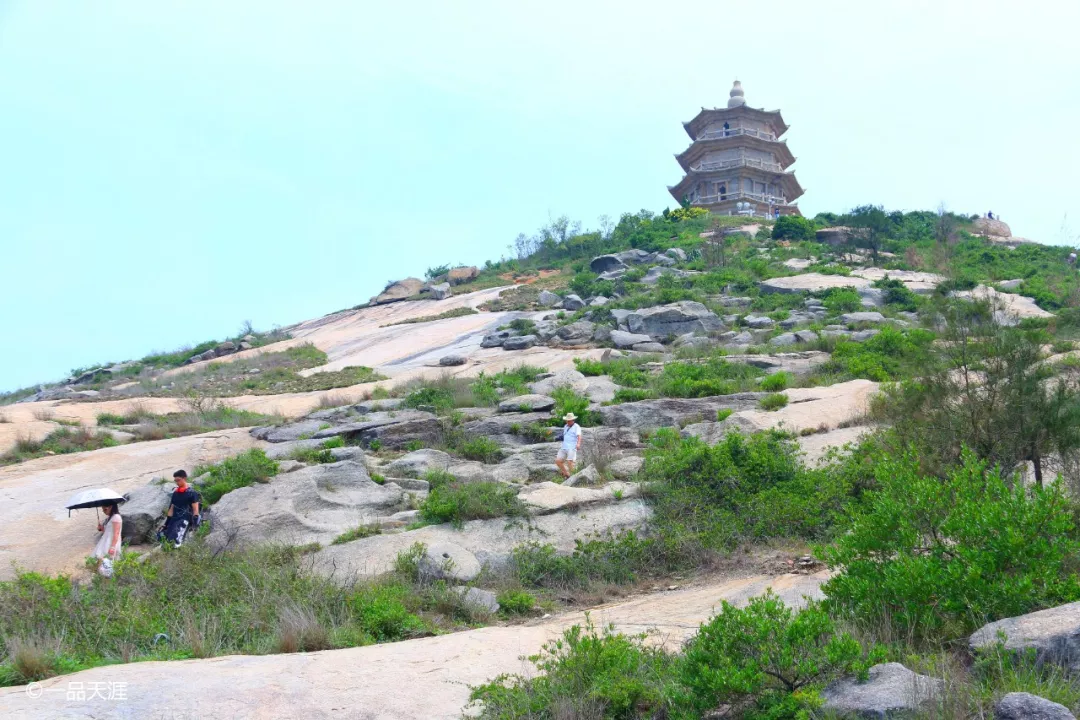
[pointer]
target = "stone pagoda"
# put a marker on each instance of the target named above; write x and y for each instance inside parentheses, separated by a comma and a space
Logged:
(737, 163)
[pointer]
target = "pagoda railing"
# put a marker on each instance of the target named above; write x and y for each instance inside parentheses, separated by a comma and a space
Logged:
(739, 195)
(732, 132)
(737, 162)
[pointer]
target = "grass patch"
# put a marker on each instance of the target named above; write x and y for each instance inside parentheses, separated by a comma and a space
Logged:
(456, 312)
(776, 382)
(481, 448)
(236, 472)
(62, 441)
(774, 401)
(199, 603)
(357, 533)
(200, 415)
(455, 502)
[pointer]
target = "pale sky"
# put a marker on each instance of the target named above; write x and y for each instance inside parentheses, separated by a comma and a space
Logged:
(171, 169)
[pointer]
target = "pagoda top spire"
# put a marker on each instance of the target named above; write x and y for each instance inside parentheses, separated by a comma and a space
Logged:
(736, 95)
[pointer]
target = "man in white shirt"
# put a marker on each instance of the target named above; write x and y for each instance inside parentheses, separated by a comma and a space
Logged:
(571, 443)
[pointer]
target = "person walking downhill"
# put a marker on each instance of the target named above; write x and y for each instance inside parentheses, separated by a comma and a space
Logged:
(183, 514)
(108, 548)
(571, 443)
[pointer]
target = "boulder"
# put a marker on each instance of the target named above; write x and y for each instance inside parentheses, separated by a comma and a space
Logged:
(315, 504)
(447, 561)
(634, 256)
(452, 360)
(862, 317)
(992, 228)
(484, 600)
(864, 335)
(606, 263)
(598, 301)
(400, 290)
(625, 467)
(674, 319)
(572, 302)
(758, 322)
(1025, 706)
(602, 334)
(349, 452)
(418, 462)
(1053, 634)
(371, 406)
(784, 339)
(527, 404)
(676, 253)
(806, 336)
(839, 235)
(390, 429)
(523, 342)
(548, 299)
(506, 429)
(655, 273)
(674, 412)
(1010, 284)
(564, 378)
(441, 291)
(601, 389)
(144, 509)
(463, 274)
(810, 282)
(280, 451)
(872, 297)
(576, 333)
(743, 338)
(648, 347)
(496, 339)
(623, 339)
(588, 475)
(891, 691)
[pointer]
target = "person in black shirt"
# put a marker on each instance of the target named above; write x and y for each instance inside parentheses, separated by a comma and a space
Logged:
(183, 510)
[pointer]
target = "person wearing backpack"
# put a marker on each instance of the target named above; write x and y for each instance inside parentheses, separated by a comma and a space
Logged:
(183, 514)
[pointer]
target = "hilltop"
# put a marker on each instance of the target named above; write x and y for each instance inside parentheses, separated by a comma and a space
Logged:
(866, 412)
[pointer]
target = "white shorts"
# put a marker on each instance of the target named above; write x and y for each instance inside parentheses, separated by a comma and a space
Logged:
(565, 454)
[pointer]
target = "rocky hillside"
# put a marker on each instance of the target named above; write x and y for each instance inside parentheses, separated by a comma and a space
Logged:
(757, 401)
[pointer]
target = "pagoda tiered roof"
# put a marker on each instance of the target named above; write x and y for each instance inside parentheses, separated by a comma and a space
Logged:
(707, 116)
(693, 154)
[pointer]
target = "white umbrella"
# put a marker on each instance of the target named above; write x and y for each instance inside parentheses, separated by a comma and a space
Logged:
(94, 499)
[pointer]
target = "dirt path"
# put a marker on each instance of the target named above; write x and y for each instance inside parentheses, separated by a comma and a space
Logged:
(35, 530)
(427, 679)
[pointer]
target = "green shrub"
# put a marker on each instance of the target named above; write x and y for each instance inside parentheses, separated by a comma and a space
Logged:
(708, 498)
(776, 382)
(481, 448)
(517, 602)
(241, 471)
(60, 441)
(624, 395)
(793, 227)
(897, 294)
(723, 414)
(312, 455)
(454, 502)
(439, 399)
(383, 614)
(617, 559)
(714, 377)
(775, 401)
(767, 655)
(841, 300)
(932, 555)
(334, 442)
(523, 326)
(583, 675)
(568, 401)
(890, 355)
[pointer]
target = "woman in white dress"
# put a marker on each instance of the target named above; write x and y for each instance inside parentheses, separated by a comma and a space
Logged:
(108, 548)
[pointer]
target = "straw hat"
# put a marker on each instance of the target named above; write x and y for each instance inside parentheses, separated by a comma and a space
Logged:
(569, 416)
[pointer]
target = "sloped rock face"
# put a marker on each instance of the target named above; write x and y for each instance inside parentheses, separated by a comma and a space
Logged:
(624, 340)
(490, 541)
(891, 691)
(674, 412)
(1053, 634)
(809, 282)
(564, 378)
(858, 317)
(415, 464)
(396, 291)
(606, 263)
(992, 228)
(391, 429)
(506, 428)
(527, 404)
(315, 504)
(1025, 706)
(675, 319)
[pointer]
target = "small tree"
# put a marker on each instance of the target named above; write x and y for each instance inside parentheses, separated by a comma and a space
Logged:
(793, 227)
(874, 227)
